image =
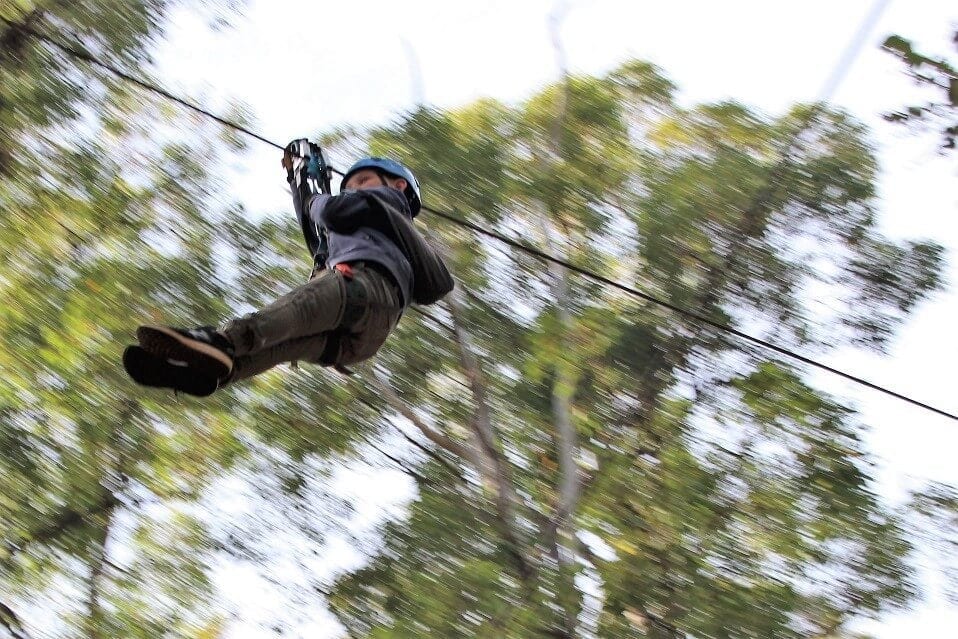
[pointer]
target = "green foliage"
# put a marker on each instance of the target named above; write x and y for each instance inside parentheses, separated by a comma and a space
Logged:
(746, 512)
(450, 582)
(936, 507)
(721, 495)
(937, 74)
(106, 223)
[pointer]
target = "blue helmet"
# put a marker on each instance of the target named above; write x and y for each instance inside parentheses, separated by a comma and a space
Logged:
(396, 170)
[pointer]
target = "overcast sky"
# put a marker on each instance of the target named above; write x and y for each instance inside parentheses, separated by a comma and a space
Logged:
(304, 66)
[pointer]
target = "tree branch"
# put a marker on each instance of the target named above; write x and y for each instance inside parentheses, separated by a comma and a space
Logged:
(491, 460)
(566, 438)
(10, 621)
(99, 561)
(406, 469)
(11, 45)
(14, 36)
(428, 451)
(67, 519)
(563, 386)
(433, 435)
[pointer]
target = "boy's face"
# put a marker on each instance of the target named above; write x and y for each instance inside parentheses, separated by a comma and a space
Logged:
(370, 179)
(363, 179)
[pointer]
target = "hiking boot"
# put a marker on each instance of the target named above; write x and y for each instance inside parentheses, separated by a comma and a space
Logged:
(203, 349)
(148, 369)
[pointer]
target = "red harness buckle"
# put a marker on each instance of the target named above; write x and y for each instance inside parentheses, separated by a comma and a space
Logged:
(345, 269)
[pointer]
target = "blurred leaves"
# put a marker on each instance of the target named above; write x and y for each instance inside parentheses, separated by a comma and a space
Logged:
(936, 74)
(746, 511)
(722, 496)
(936, 507)
(106, 211)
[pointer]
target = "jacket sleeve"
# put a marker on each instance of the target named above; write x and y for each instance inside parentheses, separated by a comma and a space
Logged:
(313, 234)
(431, 278)
(300, 205)
(347, 212)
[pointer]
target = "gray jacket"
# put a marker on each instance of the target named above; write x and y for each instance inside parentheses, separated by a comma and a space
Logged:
(375, 225)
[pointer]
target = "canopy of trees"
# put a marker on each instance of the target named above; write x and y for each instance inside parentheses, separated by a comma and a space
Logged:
(587, 463)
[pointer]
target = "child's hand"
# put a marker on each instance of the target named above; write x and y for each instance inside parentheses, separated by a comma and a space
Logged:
(295, 156)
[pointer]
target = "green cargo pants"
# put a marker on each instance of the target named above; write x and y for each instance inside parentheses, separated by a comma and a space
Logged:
(330, 320)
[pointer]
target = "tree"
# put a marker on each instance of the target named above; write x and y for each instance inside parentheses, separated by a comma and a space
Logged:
(720, 494)
(938, 75)
(104, 223)
(587, 463)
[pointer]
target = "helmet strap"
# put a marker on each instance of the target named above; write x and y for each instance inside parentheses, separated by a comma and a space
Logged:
(382, 177)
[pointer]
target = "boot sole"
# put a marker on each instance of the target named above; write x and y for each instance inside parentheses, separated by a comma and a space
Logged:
(169, 345)
(147, 369)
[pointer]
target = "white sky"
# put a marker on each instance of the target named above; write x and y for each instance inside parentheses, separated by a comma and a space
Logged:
(305, 66)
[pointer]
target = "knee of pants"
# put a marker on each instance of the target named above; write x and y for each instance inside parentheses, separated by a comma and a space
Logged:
(366, 343)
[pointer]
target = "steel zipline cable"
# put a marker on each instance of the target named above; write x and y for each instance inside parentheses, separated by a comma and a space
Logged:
(542, 255)
(143, 84)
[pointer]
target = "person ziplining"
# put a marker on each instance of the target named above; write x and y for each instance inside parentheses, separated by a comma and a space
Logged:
(369, 264)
